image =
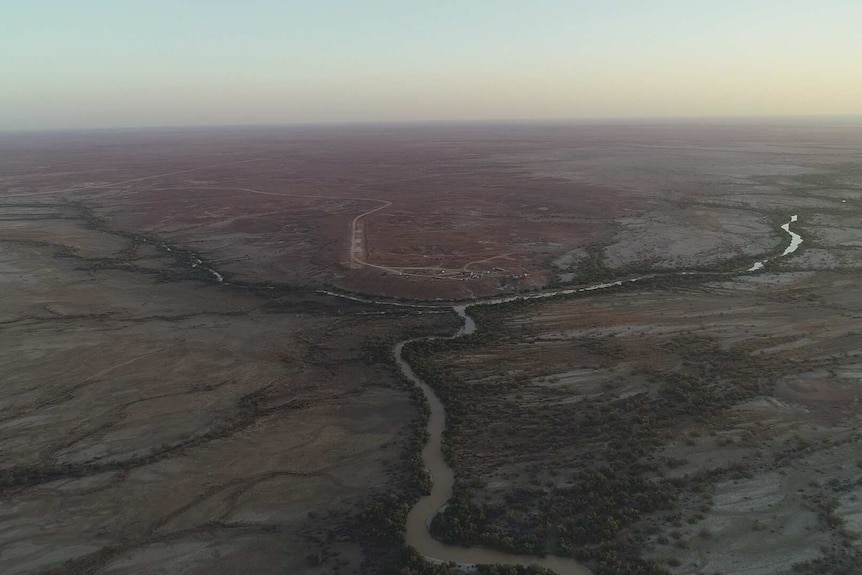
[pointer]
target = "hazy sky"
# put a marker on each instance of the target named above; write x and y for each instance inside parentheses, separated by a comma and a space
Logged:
(101, 63)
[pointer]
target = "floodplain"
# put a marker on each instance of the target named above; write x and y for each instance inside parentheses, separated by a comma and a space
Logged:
(181, 392)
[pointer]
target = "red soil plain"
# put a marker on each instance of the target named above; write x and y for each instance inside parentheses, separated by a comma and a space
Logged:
(464, 209)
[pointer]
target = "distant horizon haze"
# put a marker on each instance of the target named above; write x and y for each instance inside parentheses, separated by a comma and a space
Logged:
(825, 120)
(124, 64)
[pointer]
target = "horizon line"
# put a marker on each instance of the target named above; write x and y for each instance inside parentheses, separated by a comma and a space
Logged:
(587, 120)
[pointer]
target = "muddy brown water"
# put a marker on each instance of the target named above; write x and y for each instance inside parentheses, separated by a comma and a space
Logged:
(443, 479)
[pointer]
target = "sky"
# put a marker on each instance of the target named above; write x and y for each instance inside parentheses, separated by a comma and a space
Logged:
(117, 63)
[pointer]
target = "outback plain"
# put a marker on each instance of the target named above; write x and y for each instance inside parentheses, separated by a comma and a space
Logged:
(182, 390)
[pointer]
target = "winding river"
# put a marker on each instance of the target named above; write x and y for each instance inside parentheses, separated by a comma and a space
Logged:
(795, 242)
(419, 518)
(443, 478)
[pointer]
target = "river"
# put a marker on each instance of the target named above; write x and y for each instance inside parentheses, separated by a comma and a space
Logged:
(443, 478)
(795, 242)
